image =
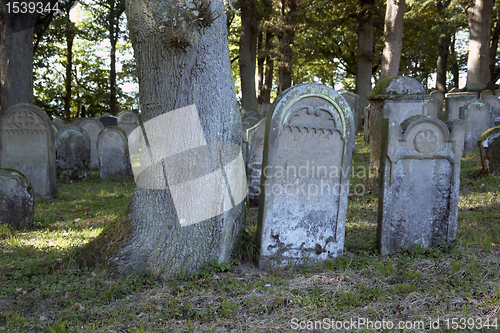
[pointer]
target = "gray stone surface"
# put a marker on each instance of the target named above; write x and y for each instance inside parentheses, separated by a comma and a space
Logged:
(27, 144)
(255, 153)
(264, 109)
(128, 121)
(439, 98)
(454, 101)
(420, 180)
(486, 93)
(353, 100)
(489, 149)
(305, 183)
(494, 102)
(76, 120)
(478, 117)
(17, 199)
(93, 127)
(72, 153)
(113, 155)
(58, 122)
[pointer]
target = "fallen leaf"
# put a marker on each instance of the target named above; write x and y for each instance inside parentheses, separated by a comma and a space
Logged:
(19, 290)
(6, 313)
(66, 296)
(140, 315)
(42, 318)
(78, 306)
(77, 219)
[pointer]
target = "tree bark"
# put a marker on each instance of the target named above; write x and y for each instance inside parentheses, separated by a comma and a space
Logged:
(287, 36)
(478, 14)
(393, 38)
(248, 52)
(494, 73)
(443, 49)
(261, 58)
(70, 35)
(116, 9)
(177, 65)
(268, 80)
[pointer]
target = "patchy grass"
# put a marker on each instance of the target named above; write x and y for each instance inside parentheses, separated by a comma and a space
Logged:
(455, 283)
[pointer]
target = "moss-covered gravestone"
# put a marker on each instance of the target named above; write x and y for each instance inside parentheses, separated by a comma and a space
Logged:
(17, 199)
(72, 153)
(489, 148)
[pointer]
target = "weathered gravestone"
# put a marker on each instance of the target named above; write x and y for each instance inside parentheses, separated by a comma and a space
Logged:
(420, 179)
(113, 155)
(108, 120)
(494, 102)
(486, 93)
(305, 182)
(27, 144)
(264, 109)
(439, 98)
(128, 121)
(353, 100)
(76, 121)
(478, 117)
(17, 199)
(72, 153)
(93, 128)
(396, 98)
(255, 153)
(489, 149)
(454, 101)
(58, 122)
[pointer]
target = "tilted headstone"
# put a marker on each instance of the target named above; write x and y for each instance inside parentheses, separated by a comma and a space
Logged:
(478, 117)
(454, 101)
(72, 153)
(353, 101)
(489, 149)
(108, 120)
(128, 121)
(420, 179)
(93, 128)
(58, 122)
(114, 161)
(255, 153)
(28, 145)
(17, 199)
(439, 98)
(494, 102)
(396, 98)
(305, 182)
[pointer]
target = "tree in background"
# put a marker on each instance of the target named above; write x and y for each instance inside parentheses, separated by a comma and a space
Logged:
(393, 38)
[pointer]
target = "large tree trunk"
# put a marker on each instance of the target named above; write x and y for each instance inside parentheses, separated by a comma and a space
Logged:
(455, 68)
(177, 66)
(287, 36)
(248, 51)
(364, 63)
(393, 38)
(268, 79)
(479, 19)
(442, 62)
(70, 35)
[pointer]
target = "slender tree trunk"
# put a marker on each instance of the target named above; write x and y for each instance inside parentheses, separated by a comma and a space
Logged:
(393, 38)
(455, 70)
(288, 9)
(494, 73)
(478, 63)
(113, 107)
(442, 62)
(268, 80)
(261, 58)
(70, 35)
(248, 52)
(176, 67)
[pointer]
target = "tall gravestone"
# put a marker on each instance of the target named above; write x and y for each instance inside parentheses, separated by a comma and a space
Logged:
(420, 180)
(396, 98)
(72, 153)
(489, 149)
(354, 100)
(454, 101)
(17, 199)
(27, 144)
(128, 121)
(255, 153)
(439, 98)
(478, 117)
(93, 128)
(494, 102)
(305, 182)
(114, 161)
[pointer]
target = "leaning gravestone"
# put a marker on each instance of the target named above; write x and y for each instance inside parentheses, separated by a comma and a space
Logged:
(255, 153)
(27, 144)
(128, 121)
(420, 179)
(17, 199)
(93, 128)
(494, 102)
(72, 153)
(305, 183)
(114, 161)
(478, 117)
(353, 101)
(489, 149)
(454, 101)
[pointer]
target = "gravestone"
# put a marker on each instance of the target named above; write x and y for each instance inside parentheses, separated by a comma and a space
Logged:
(486, 93)
(58, 122)
(353, 101)
(93, 128)
(367, 121)
(72, 153)
(489, 149)
(308, 147)
(420, 180)
(17, 199)
(433, 108)
(264, 108)
(454, 101)
(113, 155)
(28, 145)
(255, 153)
(478, 117)
(494, 102)
(76, 121)
(396, 98)
(439, 98)
(128, 121)
(108, 120)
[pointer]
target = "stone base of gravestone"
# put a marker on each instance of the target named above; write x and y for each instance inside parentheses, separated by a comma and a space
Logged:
(17, 199)
(489, 149)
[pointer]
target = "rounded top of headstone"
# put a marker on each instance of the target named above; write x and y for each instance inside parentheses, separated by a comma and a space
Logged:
(398, 87)
(114, 129)
(93, 121)
(128, 117)
(26, 106)
(76, 128)
(19, 177)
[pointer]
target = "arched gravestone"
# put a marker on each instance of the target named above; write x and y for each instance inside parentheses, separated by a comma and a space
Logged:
(478, 117)
(114, 161)
(128, 121)
(353, 101)
(420, 179)
(494, 102)
(489, 149)
(58, 122)
(93, 128)
(72, 153)
(308, 147)
(27, 144)
(455, 100)
(17, 199)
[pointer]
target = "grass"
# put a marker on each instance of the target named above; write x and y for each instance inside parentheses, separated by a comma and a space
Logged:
(39, 292)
